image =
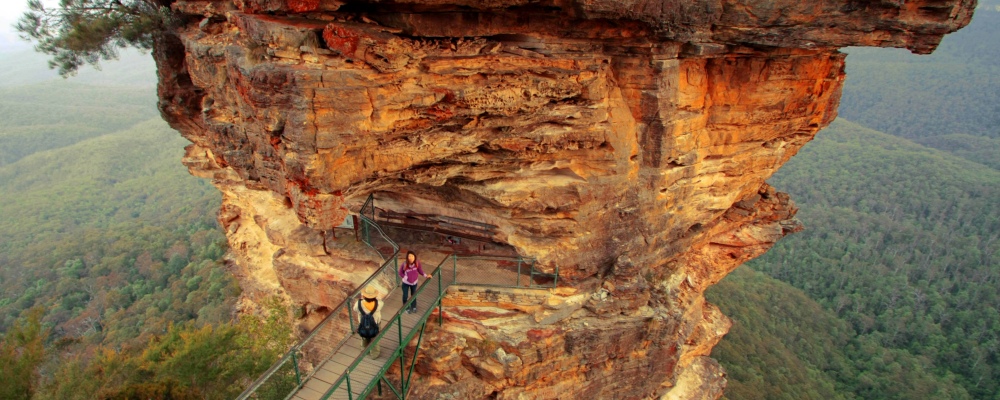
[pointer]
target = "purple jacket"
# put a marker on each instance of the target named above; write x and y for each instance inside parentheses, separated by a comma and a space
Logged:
(411, 272)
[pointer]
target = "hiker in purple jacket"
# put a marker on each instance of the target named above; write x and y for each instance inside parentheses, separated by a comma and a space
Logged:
(411, 272)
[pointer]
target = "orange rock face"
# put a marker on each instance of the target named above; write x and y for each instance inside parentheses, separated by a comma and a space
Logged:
(624, 142)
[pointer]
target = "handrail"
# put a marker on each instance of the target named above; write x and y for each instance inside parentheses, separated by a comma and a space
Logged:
(367, 220)
(396, 320)
(365, 224)
(368, 208)
(250, 390)
(345, 304)
(525, 267)
(391, 260)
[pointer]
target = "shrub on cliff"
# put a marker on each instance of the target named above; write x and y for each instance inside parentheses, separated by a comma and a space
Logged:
(88, 31)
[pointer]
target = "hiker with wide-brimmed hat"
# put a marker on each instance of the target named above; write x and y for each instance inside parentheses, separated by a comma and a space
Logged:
(369, 317)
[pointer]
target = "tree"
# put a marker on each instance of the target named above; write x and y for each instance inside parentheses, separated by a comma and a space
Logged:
(88, 31)
(185, 362)
(22, 349)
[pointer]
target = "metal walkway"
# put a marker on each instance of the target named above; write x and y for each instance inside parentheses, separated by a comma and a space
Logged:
(330, 363)
(349, 371)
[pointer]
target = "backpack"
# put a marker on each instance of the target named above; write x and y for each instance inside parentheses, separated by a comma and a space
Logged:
(367, 328)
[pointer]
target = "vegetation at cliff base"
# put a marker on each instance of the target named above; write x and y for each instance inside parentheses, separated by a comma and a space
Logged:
(22, 350)
(186, 362)
(111, 275)
(902, 244)
(901, 250)
(784, 345)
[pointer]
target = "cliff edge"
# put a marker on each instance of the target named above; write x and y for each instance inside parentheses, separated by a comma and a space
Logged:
(626, 142)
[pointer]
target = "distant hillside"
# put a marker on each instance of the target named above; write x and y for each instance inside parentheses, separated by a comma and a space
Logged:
(100, 217)
(903, 243)
(949, 100)
(41, 111)
(783, 345)
(110, 246)
(55, 114)
(27, 67)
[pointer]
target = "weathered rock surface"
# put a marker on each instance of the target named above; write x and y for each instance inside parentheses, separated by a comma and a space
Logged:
(626, 142)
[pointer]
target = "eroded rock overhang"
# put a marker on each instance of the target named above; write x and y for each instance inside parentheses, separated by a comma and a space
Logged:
(626, 142)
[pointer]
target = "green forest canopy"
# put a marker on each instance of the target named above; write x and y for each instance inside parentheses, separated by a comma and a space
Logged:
(900, 303)
(783, 345)
(111, 282)
(949, 100)
(901, 244)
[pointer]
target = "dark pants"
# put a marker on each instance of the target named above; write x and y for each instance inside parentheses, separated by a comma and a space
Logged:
(409, 290)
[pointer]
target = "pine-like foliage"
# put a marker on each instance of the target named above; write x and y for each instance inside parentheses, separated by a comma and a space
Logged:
(87, 31)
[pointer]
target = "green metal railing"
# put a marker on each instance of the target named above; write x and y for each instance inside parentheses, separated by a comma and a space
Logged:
(499, 271)
(344, 386)
(286, 376)
(465, 270)
(368, 209)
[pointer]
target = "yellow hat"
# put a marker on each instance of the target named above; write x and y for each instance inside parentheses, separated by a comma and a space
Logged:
(369, 292)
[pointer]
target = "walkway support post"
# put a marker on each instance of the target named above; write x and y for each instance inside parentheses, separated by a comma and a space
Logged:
(413, 361)
(555, 280)
(350, 393)
(364, 233)
(440, 303)
(518, 283)
(295, 363)
(350, 316)
(402, 352)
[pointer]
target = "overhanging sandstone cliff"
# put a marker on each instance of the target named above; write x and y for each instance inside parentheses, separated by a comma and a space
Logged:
(626, 142)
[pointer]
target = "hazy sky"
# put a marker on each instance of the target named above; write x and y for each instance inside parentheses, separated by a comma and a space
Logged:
(10, 11)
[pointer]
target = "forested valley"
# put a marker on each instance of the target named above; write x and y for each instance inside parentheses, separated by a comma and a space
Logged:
(112, 283)
(902, 243)
(111, 275)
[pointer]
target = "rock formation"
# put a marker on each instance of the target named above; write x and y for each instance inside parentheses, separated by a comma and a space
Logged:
(625, 141)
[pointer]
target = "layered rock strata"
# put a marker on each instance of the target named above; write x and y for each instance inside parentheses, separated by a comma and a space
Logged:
(626, 142)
